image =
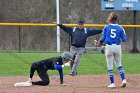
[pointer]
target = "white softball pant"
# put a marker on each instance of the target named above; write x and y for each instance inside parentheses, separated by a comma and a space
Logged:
(113, 54)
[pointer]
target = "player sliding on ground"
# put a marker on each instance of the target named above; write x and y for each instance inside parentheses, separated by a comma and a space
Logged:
(54, 63)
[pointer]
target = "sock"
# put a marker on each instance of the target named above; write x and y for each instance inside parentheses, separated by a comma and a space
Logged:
(121, 71)
(111, 75)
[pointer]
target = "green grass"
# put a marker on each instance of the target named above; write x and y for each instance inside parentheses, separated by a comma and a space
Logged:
(25, 51)
(16, 64)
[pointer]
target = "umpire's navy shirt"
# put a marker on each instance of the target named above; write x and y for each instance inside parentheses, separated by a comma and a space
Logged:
(79, 36)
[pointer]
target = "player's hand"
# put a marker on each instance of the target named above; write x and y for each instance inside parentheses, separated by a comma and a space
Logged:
(97, 43)
(29, 80)
(67, 64)
(56, 24)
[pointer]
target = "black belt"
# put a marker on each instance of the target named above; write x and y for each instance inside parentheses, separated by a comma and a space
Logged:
(77, 46)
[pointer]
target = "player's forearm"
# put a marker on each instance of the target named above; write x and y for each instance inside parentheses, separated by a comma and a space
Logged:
(62, 26)
(101, 41)
(94, 31)
(31, 74)
(32, 70)
(124, 39)
(65, 28)
(61, 76)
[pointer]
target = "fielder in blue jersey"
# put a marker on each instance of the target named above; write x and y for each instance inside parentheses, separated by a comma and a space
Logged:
(112, 36)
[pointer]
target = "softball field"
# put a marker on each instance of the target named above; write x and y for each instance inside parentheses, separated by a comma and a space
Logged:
(77, 84)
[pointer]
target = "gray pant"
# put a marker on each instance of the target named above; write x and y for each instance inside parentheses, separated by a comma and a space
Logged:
(76, 55)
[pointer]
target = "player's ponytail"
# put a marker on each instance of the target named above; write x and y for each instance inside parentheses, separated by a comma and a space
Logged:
(112, 17)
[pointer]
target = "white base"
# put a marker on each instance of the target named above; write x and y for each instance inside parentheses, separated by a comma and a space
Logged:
(23, 84)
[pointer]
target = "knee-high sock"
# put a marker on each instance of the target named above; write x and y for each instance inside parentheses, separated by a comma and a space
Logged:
(121, 71)
(111, 75)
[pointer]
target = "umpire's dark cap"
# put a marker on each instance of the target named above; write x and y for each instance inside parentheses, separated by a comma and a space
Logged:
(81, 22)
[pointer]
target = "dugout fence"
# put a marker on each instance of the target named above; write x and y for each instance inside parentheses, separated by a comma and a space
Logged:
(37, 37)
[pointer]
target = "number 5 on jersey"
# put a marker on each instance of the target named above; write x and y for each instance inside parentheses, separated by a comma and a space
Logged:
(113, 33)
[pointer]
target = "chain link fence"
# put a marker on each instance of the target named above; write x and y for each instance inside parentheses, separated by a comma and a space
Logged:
(43, 39)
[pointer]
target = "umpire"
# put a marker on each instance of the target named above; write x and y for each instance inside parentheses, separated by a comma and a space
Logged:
(79, 37)
(54, 63)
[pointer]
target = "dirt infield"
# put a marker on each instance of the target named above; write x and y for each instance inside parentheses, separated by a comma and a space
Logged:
(77, 84)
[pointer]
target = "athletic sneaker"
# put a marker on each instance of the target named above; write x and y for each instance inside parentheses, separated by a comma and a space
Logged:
(111, 85)
(73, 73)
(123, 83)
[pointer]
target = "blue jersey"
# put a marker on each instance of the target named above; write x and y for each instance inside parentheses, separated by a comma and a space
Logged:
(112, 33)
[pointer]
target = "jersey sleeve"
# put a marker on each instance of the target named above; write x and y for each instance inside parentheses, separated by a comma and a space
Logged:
(104, 34)
(94, 31)
(58, 67)
(123, 35)
(61, 75)
(68, 30)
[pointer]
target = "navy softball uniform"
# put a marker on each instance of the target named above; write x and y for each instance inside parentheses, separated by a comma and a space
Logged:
(54, 63)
